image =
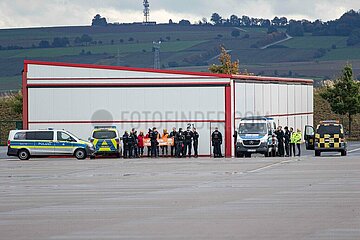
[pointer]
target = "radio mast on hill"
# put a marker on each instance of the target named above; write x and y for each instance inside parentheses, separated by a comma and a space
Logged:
(146, 11)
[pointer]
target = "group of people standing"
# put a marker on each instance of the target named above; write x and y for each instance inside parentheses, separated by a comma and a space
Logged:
(287, 140)
(183, 142)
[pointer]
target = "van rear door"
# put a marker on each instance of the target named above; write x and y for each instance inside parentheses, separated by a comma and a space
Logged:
(309, 137)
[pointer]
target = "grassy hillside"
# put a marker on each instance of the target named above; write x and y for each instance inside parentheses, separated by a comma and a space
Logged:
(183, 47)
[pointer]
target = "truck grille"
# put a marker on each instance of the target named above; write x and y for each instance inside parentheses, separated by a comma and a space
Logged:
(251, 142)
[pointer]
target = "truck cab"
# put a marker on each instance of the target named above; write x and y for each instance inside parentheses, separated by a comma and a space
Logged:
(256, 135)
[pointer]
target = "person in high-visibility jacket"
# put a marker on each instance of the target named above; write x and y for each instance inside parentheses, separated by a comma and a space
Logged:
(296, 139)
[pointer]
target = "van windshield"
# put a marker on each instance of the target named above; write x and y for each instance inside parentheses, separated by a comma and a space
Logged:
(252, 128)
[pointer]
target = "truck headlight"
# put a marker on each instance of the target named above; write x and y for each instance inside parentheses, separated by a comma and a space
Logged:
(264, 140)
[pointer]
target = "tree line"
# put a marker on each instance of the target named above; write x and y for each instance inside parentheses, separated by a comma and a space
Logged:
(347, 25)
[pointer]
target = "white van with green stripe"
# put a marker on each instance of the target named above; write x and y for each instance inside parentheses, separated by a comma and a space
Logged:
(42, 143)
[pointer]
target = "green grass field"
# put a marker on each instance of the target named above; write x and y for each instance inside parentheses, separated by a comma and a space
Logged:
(10, 83)
(109, 49)
(187, 47)
(315, 42)
(342, 54)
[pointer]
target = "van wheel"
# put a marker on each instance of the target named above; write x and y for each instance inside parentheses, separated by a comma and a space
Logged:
(317, 153)
(23, 154)
(343, 152)
(266, 154)
(80, 154)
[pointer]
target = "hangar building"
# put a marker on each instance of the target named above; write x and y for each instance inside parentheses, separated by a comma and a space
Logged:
(77, 97)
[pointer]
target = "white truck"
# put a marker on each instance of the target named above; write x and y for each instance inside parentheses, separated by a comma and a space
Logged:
(256, 135)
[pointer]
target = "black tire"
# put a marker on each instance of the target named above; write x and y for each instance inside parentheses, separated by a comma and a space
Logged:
(317, 153)
(343, 152)
(23, 154)
(80, 154)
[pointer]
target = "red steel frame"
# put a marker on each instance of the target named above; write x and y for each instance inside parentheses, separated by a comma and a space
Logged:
(228, 96)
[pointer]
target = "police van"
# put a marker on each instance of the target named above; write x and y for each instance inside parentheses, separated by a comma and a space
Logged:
(39, 143)
(106, 141)
(329, 136)
(256, 135)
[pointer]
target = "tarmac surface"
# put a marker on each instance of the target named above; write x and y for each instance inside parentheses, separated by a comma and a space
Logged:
(258, 198)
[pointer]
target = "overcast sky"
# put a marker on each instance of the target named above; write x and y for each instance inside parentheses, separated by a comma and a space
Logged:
(35, 13)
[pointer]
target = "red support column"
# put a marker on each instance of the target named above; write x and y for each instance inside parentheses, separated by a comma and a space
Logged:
(228, 122)
(25, 98)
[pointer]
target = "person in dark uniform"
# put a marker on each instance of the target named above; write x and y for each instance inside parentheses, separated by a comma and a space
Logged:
(173, 147)
(280, 137)
(216, 139)
(195, 142)
(148, 147)
(125, 139)
(235, 136)
(188, 140)
(154, 142)
(180, 141)
(136, 145)
(287, 136)
(131, 144)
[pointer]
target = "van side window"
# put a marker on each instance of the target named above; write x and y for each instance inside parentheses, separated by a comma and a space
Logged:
(61, 136)
(40, 135)
(20, 136)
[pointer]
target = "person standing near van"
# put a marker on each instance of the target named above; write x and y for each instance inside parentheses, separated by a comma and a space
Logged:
(180, 137)
(188, 141)
(292, 142)
(195, 142)
(287, 141)
(297, 140)
(148, 147)
(141, 143)
(125, 139)
(280, 137)
(164, 149)
(216, 139)
(173, 147)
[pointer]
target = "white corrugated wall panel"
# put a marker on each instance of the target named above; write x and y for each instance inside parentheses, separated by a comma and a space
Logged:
(46, 71)
(250, 99)
(267, 100)
(259, 99)
(275, 109)
(59, 104)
